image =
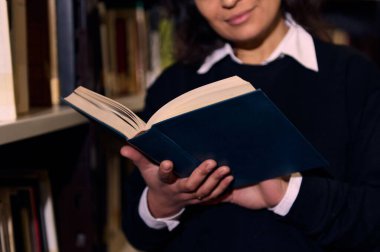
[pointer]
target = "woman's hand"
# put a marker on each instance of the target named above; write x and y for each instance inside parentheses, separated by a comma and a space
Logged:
(265, 194)
(168, 194)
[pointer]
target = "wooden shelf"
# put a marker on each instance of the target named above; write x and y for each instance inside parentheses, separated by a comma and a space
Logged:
(45, 120)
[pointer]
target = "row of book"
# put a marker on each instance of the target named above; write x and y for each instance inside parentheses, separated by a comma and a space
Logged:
(136, 45)
(26, 214)
(49, 47)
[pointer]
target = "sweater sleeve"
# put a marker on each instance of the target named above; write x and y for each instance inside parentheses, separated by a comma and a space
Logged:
(139, 234)
(343, 211)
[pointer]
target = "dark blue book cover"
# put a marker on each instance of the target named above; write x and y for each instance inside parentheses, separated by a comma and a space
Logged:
(248, 133)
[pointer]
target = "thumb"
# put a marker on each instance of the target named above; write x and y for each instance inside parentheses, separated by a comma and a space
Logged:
(134, 155)
(165, 172)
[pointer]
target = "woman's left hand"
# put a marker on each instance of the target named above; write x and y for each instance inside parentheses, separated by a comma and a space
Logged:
(265, 194)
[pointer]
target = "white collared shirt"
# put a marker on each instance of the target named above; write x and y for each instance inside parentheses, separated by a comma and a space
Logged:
(299, 45)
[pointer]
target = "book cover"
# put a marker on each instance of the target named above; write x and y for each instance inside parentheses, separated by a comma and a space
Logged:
(228, 121)
(248, 133)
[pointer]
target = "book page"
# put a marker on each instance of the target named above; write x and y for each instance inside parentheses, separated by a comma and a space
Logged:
(124, 121)
(106, 111)
(201, 97)
(112, 104)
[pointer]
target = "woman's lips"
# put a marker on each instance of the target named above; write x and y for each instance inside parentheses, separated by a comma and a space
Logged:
(239, 18)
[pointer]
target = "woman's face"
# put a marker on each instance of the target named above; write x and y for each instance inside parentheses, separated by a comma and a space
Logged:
(242, 21)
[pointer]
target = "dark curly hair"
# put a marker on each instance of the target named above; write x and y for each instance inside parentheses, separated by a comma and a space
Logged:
(195, 39)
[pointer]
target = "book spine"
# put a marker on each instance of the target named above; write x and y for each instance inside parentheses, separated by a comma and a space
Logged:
(66, 47)
(38, 53)
(7, 94)
(18, 33)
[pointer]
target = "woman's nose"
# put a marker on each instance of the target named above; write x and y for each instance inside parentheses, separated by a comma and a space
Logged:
(229, 3)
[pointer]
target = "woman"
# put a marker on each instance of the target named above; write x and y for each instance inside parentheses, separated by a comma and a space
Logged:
(332, 95)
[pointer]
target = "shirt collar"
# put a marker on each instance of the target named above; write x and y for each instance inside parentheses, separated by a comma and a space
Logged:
(297, 43)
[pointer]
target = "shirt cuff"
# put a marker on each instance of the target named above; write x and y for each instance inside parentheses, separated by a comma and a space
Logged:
(290, 196)
(156, 223)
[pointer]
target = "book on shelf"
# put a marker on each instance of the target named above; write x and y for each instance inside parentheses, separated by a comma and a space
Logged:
(34, 53)
(227, 120)
(18, 29)
(160, 42)
(38, 53)
(55, 84)
(20, 224)
(65, 46)
(6, 225)
(123, 32)
(7, 93)
(88, 62)
(21, 219)
(27, 219)
(49, 230)
(77, 45)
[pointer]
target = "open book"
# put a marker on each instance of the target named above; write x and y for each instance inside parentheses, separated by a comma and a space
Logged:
(227, 120)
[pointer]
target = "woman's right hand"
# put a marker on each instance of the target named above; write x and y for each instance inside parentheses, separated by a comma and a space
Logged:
(168, 194)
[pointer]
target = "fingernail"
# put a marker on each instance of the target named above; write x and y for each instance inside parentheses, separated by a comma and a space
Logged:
(225, 170)
(167, 169)
(209, 166)
(229, 179)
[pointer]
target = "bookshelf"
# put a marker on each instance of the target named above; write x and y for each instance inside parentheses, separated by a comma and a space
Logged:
(52, 139)
(46, 120)
(35, 132)
(39, 122)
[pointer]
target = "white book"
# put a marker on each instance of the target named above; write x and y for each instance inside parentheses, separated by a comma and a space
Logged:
(48, 214)
(7, 234)
(7, 94)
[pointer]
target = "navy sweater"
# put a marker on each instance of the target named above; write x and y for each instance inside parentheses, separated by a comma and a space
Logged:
(337, 209)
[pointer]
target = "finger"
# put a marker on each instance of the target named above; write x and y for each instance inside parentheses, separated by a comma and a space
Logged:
(197, 177)
(221, 193)
(221, 188)
(215, 183)
(165, 172)
(134, 155)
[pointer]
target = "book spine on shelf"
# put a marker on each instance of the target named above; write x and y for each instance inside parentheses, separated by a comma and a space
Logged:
(19, 38)
(38, 53)
(7, 94)
(66, 46)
